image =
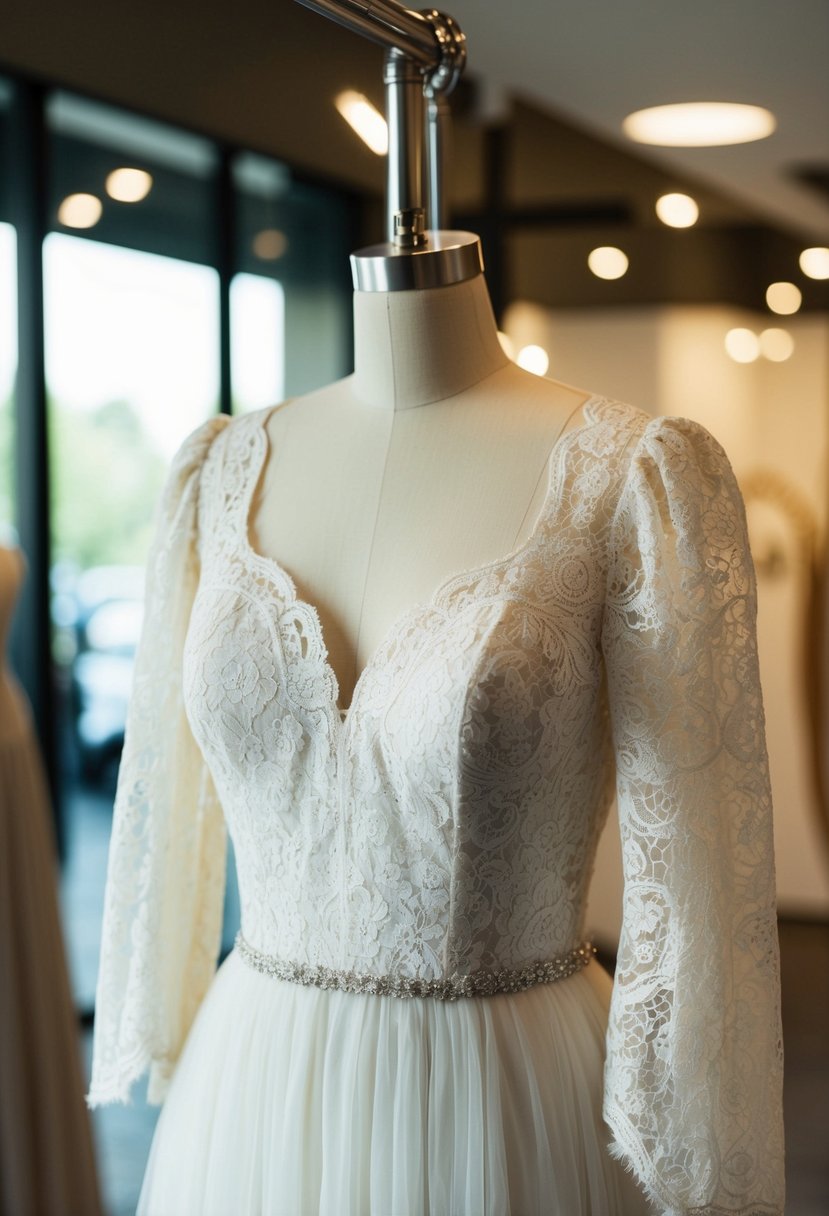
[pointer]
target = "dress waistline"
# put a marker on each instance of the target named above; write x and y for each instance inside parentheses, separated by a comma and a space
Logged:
(483, 982)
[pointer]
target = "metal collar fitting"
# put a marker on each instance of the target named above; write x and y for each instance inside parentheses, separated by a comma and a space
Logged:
(442, 258)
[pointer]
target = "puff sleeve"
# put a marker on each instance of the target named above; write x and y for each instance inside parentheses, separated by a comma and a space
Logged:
(693, 1072)
(166, 867)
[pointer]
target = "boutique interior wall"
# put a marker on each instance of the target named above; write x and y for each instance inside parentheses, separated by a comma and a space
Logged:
(773, 421)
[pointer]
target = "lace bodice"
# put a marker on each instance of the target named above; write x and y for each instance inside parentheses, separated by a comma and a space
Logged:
(448, 821)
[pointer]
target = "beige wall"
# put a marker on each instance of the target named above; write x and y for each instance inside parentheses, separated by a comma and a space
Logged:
(770, 418)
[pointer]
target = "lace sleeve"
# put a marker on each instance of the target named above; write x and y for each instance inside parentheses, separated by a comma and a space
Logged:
(166, 867)
(693, 1075)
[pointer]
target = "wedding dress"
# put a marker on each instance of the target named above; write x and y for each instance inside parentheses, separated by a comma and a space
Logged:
(411, 1022)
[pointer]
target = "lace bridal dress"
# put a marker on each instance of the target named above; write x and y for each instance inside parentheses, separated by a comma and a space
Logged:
(410, 1022)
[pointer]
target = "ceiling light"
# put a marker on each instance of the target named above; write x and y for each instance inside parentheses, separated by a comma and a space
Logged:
(607, 262)
(742, 345)
(270, 244)
(128, 185)
(815, 262)
(365, 119)
(677, 210)
(783, 298)
(533, 359)
(699, 124)
(80, 211)
(776, 344)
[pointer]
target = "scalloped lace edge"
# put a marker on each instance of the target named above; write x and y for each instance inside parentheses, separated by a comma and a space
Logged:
(625, 1148)
(117, 1085)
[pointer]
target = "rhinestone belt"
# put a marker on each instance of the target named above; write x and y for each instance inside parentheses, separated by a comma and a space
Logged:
(479, 983)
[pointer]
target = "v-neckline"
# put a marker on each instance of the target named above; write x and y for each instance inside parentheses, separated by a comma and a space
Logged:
(290, 597)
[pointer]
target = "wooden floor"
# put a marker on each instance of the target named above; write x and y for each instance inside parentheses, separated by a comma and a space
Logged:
(123, 1133)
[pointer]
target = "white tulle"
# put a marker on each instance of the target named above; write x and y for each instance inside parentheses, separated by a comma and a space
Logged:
(448, 825)
(341, 1104)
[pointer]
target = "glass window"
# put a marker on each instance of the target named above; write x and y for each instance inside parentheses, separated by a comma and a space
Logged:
(131, 302)
(291, 326)
(131, 305)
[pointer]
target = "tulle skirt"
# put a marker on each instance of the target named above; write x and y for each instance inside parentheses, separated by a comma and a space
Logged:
(291, 1100)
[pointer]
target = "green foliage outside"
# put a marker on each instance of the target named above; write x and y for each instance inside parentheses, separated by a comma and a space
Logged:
(105, 477)
(105, 480)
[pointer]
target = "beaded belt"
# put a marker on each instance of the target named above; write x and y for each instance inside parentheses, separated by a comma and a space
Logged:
(479, 983)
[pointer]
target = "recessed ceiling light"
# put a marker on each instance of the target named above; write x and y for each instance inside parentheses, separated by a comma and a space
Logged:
(365, 119)
(607, 262)
(815, 262)
(533, 359)
(677, 210)
(783, 298)
(776, 345)
(699, 124)
(742, 345)
(80, 211)
(128, 185)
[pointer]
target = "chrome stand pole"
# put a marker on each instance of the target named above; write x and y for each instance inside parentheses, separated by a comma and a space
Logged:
(404, 164)
(426, 54)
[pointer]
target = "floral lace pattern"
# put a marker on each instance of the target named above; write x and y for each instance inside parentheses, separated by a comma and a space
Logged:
(448, 822)
(694, 1067)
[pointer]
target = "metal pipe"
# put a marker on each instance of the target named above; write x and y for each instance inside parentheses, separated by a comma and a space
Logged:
(437, 132)
(404, 112)
(386, 22)
(425, 56)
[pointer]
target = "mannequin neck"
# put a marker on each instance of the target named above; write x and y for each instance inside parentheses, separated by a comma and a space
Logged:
(415, 347)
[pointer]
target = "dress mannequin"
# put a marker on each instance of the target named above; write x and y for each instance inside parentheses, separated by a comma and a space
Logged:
(429, 460)
(444, 833)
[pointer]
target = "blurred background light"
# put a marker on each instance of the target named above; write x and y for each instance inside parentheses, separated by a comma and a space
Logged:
(776, 345)
(365, 119)
(129, 185)
(814, 262)
(677, 210)
(783, 298)
(533, 359)
(607, 262)
(80, 211)
(742, 345)
(269, 244)
(699, 124)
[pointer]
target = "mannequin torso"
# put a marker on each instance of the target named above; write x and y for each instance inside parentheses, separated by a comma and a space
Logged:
(431, 459)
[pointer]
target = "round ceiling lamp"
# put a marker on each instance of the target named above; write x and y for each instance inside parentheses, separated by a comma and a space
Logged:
(699, 124)
(534, 359)
(784, 298)
(814, 262)
(80, 211)
(129, 185)
(608, 262)
(677, 210)
(742, 345)
(777, 345)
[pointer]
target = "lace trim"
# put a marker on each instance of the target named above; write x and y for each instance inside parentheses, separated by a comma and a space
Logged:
(483, 982)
